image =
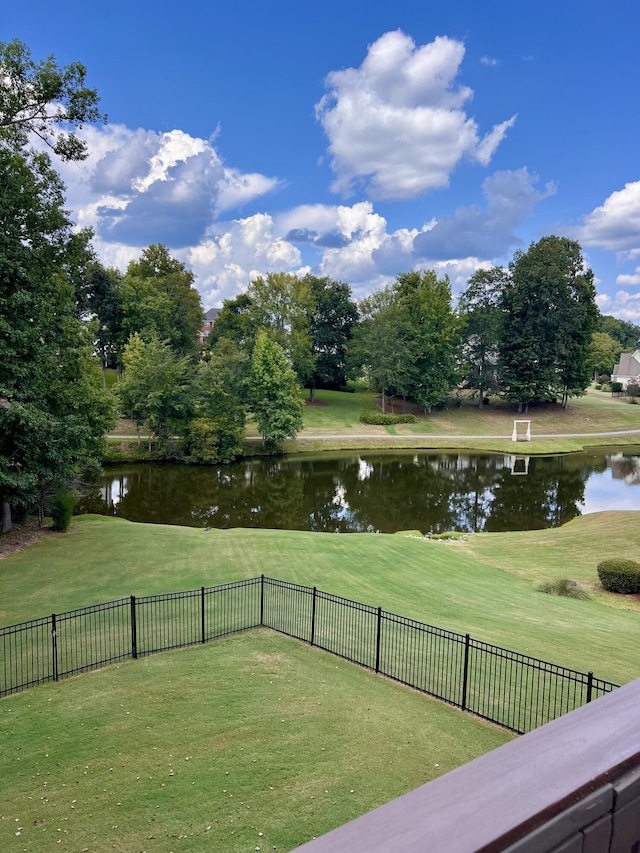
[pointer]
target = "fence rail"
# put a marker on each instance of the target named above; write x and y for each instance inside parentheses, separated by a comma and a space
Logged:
(514, 690)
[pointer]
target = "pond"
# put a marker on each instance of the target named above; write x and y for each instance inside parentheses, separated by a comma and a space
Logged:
(374, 491)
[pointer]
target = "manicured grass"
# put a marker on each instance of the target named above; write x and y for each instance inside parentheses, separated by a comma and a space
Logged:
(485, 585)
(256, 742)
(595, 412)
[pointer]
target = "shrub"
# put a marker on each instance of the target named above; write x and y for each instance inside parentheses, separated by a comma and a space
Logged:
(616, 387)
(62, 510)
(454, 535)
(565, 588)
(618, 575)
(383, 419)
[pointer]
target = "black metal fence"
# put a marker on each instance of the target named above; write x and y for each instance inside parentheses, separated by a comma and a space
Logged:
(514, 690)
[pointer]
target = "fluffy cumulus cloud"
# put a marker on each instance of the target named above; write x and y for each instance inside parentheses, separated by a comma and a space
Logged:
(397, 125)
(615, 225)
(140, 187)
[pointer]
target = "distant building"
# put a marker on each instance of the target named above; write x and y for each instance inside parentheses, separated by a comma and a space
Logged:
(627, 368)
(209, 320)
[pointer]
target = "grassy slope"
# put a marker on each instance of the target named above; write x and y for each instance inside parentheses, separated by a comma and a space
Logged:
(595, 412)
(277, 750)
(486, 586)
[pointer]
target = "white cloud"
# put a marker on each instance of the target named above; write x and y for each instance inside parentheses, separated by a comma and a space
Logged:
(624, 305)
(396, 125)
(626, 280)
(139, 187)
(615, 225)
(490, 232)
(488, 60)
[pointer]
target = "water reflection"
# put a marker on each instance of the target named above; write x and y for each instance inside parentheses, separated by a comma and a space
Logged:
(374, 492)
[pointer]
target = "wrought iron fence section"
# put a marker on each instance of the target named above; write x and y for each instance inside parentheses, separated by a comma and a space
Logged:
(509, 688)
(423, 656)
(288, 608)
(230, 607)
(346, 628)
(26, 656)
(92, 636)
(167, 621)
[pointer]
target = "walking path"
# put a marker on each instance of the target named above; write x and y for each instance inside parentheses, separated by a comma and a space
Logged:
(339, 435)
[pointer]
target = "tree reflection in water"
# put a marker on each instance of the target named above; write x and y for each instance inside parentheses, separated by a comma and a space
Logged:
(430, 492)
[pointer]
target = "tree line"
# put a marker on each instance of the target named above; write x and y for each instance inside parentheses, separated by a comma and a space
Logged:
(530, 332)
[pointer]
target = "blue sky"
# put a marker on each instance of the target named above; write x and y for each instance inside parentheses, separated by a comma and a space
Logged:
(355, 139)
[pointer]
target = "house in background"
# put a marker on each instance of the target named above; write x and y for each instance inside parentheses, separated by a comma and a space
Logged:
(627, 368)
(209, 321)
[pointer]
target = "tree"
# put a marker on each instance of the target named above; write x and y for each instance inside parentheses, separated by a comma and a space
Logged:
(283, 303)
(53, 415)
(383, 346)
(549, 313)
(43, 98)
(105, 306)
(479, 307)
(627, 334)
(221, 400)
(333, 318)
(158, 298)
(235, 322)
(275, 394)
(156, 388)
(604, 352)
(436, 334)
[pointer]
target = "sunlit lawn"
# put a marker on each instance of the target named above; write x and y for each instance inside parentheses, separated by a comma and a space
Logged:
(254, 742)
(485, 586)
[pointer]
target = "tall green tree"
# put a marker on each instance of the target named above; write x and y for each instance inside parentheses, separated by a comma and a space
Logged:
(481, 315)
(158, 298)
(275, 392)
(383, 346)
(334, 315)
(52, 414)
(283, 304)
(549, 313)
(436, 335)
(156, 388)
(221, 400)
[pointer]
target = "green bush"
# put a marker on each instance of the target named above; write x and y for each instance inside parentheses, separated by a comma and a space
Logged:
(383, 419)
(62, 510)
(616, 387)
(619, 575)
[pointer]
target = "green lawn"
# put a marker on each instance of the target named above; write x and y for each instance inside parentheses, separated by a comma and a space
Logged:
(485, 585)
(256, 742)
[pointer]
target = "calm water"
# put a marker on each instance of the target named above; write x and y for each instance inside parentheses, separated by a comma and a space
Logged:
(374, 491)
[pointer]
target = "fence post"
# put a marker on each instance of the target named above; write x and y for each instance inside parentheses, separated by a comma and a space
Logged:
(589, 686)
(54, 646)
(378, 633)
(134, 629)
(313, 616)
(465, 672)
(202, 634)
(262, 599)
